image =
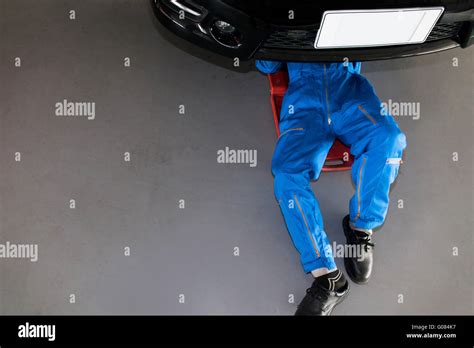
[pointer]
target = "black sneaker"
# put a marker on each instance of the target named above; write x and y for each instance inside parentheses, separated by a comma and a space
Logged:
(359, 266)
(321, 301)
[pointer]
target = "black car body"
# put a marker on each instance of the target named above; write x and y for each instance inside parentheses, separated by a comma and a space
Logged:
(264, 30)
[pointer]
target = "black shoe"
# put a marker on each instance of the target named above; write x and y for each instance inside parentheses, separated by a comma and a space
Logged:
(321, 301)
(359, 266)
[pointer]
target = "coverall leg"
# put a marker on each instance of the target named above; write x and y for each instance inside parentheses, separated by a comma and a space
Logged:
(300, 152)
(376, 143)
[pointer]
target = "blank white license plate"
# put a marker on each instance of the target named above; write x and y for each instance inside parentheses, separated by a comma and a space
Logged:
(368, 28)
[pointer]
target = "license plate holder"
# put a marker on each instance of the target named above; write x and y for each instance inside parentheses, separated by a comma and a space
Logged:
(372, 28)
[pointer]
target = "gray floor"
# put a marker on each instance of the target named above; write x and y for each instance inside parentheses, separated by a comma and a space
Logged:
(190, 251)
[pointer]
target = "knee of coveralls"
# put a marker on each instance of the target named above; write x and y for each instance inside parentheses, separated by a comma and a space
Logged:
(293, 168)
(373, 172)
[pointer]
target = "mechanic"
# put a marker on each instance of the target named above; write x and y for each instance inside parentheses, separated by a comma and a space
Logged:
(325, 101)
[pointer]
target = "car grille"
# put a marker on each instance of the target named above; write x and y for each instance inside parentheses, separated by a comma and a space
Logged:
(444, 31)
(303, 39)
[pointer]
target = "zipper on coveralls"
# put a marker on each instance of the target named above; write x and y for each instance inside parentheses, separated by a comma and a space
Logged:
(358, 188)
(307, 226)
(327, 95)
(369, 116)
(289, 130)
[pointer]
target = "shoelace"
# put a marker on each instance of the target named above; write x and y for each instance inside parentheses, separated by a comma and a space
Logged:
(366, 241)
(317, 292)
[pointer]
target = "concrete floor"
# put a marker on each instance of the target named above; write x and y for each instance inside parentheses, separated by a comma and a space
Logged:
(135, 204)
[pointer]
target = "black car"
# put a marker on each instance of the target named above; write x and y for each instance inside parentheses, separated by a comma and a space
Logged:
(311, 30)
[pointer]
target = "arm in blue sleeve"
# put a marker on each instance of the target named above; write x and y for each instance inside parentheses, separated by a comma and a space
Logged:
(268, 66)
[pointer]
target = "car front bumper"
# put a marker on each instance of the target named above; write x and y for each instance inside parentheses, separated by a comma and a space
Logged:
(264, 40)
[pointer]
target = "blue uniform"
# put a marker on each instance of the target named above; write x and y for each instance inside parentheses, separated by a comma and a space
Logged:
(325, 101)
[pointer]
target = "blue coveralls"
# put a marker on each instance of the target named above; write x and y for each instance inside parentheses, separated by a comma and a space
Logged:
(325, 101)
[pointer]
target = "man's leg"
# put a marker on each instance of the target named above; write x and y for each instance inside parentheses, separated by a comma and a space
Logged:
(377, 144)
(298, 158)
